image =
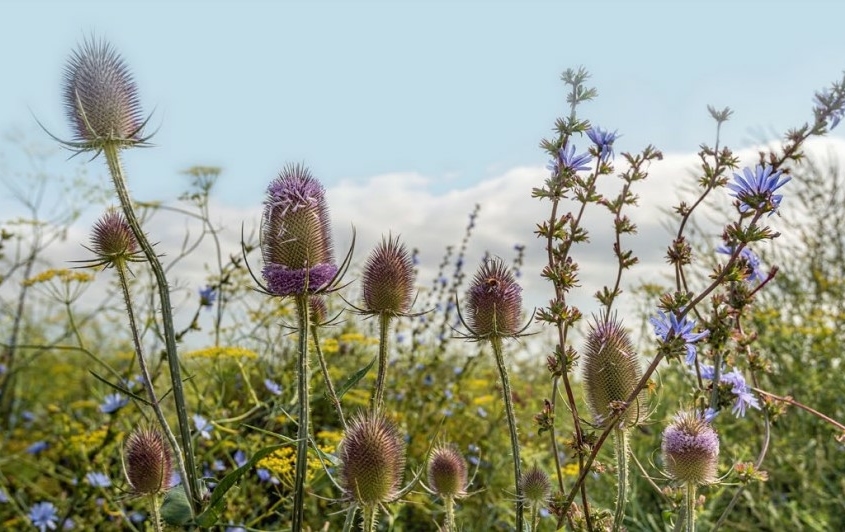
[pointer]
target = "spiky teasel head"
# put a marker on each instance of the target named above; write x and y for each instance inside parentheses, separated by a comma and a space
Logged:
(372, 458)
(113, 241)
(611, 372)
(494, 302)
(388, 279)
(296, 240)
(101, 99)
(536, 486)
(147, 461)
(318, 309)
(447, 472)
(691, 449)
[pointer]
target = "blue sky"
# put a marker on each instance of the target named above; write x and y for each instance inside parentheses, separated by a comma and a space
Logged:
(456, 91)
(410, 112)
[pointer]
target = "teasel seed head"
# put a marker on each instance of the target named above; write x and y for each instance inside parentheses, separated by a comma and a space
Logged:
(101, 99)
(148, 462)
(388, 279)
(112, 240)
(447, 472)
(691, 449)
(494, 301)
(296, 240)
(536, 486)
(372, 457)
(318, 309)
(611, 371)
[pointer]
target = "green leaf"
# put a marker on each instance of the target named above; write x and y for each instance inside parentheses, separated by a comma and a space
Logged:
(355, 378)
(211, 514)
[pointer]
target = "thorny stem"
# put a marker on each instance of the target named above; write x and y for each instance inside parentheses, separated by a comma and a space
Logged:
(155, 513)
(377, 400)
(147, 378)
(689, 507)
(622, 451)
(370, 512)
(324, 369)
(192, 489)
(449, 525)
(496, 343)
(303, 374)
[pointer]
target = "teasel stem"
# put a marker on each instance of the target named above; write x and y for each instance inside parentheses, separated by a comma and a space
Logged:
(377, 400)
(689, 507)
(147, 378)
(112, 155)
(155, 513)
(324, 369)
(370, 512)
(302, 434)
(449, 503)
(496, 343)
(533, 518)
(622, 451)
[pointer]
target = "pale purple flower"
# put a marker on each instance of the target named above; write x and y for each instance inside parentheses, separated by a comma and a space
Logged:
(751, 259)
(567, 160)
(203, 426)
(240, 458)
(744, 397)
(272, 387)
(265, 476)
(37, 447)
(668, 327)
(208, 296)
(98, 480)
(44, 516)
(113, 402)
(604, 142)
(755, 189)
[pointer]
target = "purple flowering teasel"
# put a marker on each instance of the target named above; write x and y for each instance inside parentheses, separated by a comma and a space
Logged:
(755, 189)
(296, 241)
(668, 327)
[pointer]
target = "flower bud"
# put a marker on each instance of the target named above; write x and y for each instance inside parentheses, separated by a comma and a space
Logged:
(112, 239)
(494, 301)
(388, 280)
(101, 99)
(296, 238)
(318, 309)
(611, 371)
(690, 449)
(536, 486)
(447, 472)
(372, 457)
(148, 461)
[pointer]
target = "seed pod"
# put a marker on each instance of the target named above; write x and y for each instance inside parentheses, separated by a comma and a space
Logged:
(494, 301)
(447, 472)
(388, 279)
(372, 457)
(536, 486)
(148, 461)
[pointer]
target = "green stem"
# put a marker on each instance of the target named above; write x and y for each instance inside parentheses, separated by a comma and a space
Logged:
(449, 525)
(370, 518)
(155, 514)
(622, 450)
(377, 400)
(324, 369)
(111, 152)
(349, 522)
(496, 342)
(534, 513)
(689, 507)
(303, 374)
(145, 372)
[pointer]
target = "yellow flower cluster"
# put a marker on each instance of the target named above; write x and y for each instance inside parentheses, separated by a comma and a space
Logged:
(281, 463)
(64, 275)
(224, 352)
(88, 440)
(570, 469)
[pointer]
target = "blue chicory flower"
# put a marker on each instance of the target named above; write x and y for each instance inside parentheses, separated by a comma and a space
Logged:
(265, 476)
(98, 480)
(603, 141)
(567, 160)
(203, 426)
(751, 259)
(667, 327)
(37, 447)
(272, 387)
(208, 296)
(240, 458)
(44, 516)
(113, 402)
(756, 189)
(744, 397)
